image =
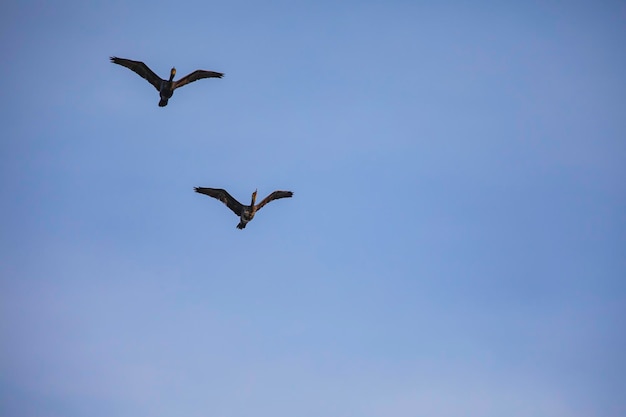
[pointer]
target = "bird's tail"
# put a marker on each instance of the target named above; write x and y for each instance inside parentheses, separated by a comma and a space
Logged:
(241, 225)
(163, 102)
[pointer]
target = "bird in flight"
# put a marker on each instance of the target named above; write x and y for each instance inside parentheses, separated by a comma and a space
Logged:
(245, 213)
(165, 87)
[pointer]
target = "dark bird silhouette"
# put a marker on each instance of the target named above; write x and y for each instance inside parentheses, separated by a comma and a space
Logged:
(165, 87)
(245, 213)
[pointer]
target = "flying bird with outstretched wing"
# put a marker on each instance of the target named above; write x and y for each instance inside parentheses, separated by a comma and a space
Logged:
(245, 213)
(165, 87)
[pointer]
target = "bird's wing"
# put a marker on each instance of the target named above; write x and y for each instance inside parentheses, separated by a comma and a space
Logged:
(223, 196)
(196, 75)
(141, 69)
(274, 196)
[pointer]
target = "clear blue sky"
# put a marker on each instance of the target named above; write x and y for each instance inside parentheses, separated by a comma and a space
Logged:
(455, 245)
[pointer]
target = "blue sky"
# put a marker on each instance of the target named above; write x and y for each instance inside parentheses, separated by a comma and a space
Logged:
(455, 244)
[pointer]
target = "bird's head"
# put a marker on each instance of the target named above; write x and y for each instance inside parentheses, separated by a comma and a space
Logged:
(253, 197)
(172, 73)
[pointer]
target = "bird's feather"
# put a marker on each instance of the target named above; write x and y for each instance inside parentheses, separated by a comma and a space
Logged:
(273, 196)
(223, 196)
(196, 75)
(141, 69)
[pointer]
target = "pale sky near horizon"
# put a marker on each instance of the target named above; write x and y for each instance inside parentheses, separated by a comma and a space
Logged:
(455, 245)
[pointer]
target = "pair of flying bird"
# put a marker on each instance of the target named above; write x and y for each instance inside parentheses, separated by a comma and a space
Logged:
(166, 90)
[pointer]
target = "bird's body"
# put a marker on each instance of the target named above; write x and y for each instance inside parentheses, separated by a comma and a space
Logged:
(245, 213)
(165, 87)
